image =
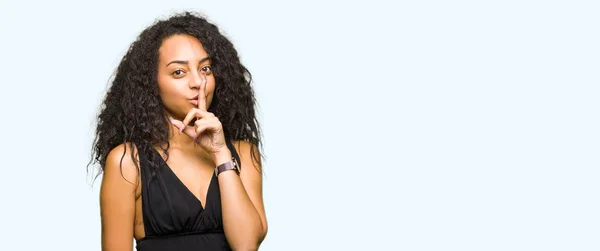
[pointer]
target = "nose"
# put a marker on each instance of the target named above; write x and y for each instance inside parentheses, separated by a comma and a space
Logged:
(195, 80)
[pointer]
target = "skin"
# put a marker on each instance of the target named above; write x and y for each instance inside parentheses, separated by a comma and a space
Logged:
(186, 85)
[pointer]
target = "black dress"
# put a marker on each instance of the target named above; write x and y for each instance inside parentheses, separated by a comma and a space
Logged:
(174, 218)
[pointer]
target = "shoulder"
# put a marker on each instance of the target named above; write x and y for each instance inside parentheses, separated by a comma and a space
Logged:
(242, 145)
(249, 154)
(122, 161)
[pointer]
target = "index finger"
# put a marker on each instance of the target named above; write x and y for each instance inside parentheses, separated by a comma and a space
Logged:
(202, 94)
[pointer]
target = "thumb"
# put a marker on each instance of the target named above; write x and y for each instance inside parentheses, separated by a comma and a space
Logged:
(183, 128)
(177, 123)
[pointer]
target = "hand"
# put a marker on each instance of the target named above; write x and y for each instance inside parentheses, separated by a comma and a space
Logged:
(207, 130)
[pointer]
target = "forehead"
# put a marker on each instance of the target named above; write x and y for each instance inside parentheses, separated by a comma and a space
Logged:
(182, 47)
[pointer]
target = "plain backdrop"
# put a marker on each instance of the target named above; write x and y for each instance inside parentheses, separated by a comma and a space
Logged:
(388, 125)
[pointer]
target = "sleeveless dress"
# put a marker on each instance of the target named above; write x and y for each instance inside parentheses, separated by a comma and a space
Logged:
(174, 218)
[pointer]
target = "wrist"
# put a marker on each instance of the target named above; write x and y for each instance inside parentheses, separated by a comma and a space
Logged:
(222, 156)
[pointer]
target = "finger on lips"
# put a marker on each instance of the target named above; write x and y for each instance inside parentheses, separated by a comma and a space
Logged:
(199, 113)
(202, 93)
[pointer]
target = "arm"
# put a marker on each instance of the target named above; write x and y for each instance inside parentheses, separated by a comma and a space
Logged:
(244, 218)
(117, 200)
(243, 212)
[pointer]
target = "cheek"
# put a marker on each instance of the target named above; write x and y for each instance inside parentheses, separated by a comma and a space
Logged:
(211, 86)
(169, 92)
(211, 90)
(165, 93)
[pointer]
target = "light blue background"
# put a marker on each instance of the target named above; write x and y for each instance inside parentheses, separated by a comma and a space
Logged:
(415, 125)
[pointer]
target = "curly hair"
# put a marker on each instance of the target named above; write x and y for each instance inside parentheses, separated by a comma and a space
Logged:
(132, 110)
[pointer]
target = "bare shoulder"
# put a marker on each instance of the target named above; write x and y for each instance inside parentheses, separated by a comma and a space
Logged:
(121, 163)
(249, 154)
(242, 145)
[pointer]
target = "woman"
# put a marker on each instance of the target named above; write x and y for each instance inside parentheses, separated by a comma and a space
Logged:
(178, 144)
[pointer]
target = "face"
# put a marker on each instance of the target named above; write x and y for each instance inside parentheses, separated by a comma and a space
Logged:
(182, 67)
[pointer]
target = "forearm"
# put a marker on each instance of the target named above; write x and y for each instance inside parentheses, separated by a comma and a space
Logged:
(241, 221)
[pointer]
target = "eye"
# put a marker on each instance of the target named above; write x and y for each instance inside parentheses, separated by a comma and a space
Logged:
(178, 73)
(207, 69)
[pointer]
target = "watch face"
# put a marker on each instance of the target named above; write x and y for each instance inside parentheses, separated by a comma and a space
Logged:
(235, 164)
(236, 167)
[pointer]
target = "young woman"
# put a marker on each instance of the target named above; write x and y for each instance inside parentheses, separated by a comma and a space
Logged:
(178, 144)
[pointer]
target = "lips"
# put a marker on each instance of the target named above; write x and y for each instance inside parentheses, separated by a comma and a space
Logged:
(194, 100)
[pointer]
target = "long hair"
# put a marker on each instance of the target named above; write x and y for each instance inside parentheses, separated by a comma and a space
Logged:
(132, 111)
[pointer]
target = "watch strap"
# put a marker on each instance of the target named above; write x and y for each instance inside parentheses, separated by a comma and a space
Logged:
(229, 165)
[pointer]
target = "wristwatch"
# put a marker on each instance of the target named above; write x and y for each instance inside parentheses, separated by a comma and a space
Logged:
(229, 165)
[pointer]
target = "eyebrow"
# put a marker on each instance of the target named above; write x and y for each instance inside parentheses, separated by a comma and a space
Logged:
(187, 62)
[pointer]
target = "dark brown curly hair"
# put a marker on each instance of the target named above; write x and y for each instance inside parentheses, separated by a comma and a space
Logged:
(132, 110)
